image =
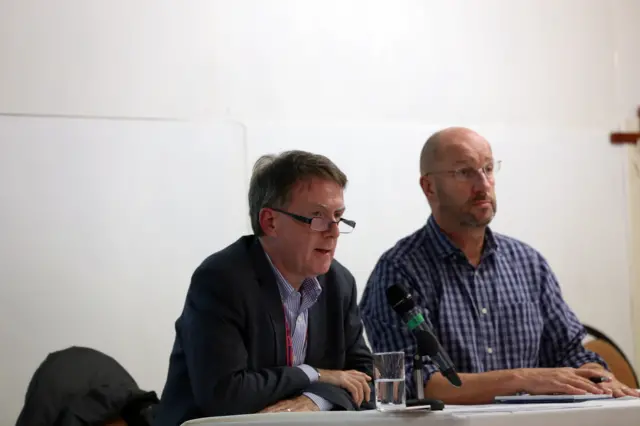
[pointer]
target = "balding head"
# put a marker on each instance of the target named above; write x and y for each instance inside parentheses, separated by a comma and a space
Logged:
(432, 150)
(457, 177)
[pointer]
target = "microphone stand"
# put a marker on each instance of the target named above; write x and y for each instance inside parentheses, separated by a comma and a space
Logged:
(433, 404)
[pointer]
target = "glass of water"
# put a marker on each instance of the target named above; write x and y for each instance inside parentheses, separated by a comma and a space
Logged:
(388, 377)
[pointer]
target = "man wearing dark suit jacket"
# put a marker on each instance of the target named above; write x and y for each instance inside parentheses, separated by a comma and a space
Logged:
(271, 323)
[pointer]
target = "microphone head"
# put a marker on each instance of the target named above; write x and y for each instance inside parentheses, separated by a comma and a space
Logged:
(400, 299)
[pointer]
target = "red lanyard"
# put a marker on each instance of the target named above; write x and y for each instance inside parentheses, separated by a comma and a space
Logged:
(288, 339)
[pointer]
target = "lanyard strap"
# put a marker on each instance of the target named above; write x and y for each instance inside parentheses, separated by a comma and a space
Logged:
(289, 340)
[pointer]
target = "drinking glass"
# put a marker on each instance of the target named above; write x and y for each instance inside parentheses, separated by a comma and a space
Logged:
(388, 378)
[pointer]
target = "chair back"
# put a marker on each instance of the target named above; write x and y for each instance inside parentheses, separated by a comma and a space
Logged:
(613, 356)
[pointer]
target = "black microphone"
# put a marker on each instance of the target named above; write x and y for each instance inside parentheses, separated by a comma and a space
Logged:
(402, 302)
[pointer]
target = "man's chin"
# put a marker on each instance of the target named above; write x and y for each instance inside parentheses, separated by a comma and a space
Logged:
(486, 220)
(479, 221)
(483, 223)
(321, 268)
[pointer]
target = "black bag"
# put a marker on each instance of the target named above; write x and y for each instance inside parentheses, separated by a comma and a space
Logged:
(84, 387)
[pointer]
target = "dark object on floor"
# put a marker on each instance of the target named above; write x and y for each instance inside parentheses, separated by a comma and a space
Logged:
(81, 386)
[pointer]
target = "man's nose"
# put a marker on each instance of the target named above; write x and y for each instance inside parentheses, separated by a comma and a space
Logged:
(334, 229)
(482, 181)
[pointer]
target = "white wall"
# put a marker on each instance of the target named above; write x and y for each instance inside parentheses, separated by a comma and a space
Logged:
(628, 92)
(362, 81)
(103, 223)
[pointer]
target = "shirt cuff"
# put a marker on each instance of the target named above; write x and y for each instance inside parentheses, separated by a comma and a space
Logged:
(591, 359)
(311, 372)
(583, 356)
(322, 403)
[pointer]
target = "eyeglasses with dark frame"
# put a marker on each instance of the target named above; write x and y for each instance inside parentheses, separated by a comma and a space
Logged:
(320, 224)
(465, 174)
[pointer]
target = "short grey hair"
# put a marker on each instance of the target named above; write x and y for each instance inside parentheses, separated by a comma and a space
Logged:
(430, 153)
(274, 176)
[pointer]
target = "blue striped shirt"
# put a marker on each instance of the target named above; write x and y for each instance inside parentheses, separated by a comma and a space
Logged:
(296, 306)
(506, 313)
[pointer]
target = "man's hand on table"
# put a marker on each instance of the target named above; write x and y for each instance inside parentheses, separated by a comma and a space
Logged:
(612, 386)
(353, 381)
(298, 404)
(571, 381)
(618, 389)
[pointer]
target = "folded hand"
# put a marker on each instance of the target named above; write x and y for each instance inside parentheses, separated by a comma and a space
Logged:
(355, 382)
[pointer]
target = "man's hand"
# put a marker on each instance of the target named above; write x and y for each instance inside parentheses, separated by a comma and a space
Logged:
(612, 386)
(572, 381)
(300, 403)
(617, 389)
(355, 382)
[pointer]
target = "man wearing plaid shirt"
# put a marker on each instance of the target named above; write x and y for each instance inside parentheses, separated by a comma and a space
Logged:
(492, 301)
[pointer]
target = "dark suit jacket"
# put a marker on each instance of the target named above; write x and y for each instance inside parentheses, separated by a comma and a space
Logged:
(229, 355)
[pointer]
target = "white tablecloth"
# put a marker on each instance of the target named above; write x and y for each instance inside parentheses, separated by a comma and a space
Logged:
(590, 413)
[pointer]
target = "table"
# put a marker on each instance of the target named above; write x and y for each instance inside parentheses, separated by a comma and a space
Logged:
(620, 412)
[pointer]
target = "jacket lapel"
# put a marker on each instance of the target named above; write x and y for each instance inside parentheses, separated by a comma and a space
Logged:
(272, 303)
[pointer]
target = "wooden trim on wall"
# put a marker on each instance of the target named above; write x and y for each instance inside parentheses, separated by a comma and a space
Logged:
(625, 137)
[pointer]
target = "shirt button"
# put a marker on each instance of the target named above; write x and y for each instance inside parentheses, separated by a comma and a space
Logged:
(489, 350)
(484, 311)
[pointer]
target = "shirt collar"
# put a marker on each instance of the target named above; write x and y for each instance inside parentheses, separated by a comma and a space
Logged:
(444, 247)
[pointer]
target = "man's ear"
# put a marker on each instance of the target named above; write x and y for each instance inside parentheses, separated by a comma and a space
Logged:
(267, 220)
(427, 186)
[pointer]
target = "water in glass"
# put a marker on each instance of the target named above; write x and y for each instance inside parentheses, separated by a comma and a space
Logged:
(388, 378)
(390, 394)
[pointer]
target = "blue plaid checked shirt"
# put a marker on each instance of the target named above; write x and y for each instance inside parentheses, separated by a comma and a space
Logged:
(506, 313)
